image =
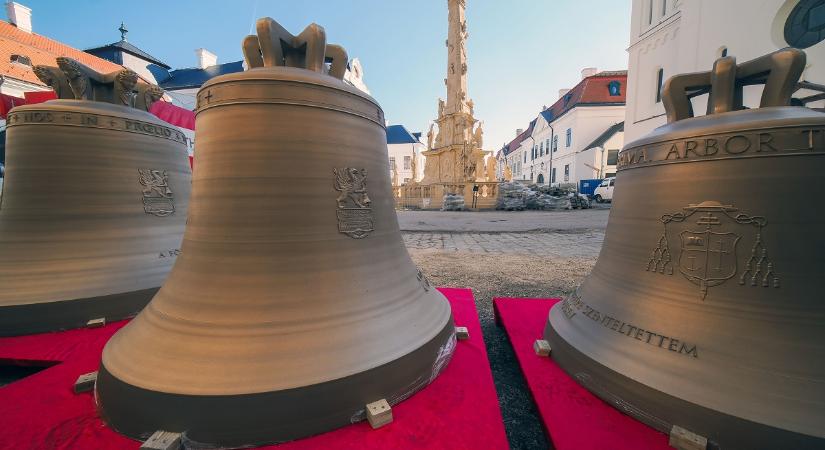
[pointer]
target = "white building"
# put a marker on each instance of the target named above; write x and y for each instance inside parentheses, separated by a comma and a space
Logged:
(668, 37)
(578, 137)
(404, 151)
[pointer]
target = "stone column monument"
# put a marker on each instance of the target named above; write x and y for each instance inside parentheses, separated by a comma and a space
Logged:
(455, 154)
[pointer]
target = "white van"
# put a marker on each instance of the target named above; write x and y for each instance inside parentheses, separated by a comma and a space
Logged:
(604, 193)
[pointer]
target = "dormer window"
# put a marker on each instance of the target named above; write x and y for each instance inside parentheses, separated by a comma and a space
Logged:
(20, 59)
(567, 98)
(615, 88)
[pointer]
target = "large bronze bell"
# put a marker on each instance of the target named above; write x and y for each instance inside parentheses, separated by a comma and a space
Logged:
(94, 203)
(294, 302)
(705, 309)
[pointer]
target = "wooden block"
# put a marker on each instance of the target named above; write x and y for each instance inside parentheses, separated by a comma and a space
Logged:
(541, 347)
(682, 439)
(379, 413)
(96, 323)
(461, 333)
(85, 382)
(162, 440)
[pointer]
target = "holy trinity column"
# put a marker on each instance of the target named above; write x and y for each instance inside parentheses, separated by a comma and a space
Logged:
(454, 150)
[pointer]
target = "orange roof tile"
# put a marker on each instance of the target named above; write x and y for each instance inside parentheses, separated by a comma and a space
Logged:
(41, 51)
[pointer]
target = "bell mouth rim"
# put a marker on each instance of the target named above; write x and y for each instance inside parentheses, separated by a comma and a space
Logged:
(730, 122)
(645, 403)
(117, 369)
(246, 419)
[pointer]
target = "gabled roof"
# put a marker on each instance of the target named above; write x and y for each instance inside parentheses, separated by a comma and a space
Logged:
(41, 51)
(513, 145)
(195, 77)
(593, 90)
(604, 137)
(398, 134)
(131, 49)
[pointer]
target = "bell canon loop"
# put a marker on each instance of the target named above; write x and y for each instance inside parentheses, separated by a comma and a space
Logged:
(93, 205)
(294, 303)
(704, 309)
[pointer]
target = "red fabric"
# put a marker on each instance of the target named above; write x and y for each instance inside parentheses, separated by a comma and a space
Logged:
(574, 418)
(39, 96)
(459, 410)
(7, 102)
(175, 115)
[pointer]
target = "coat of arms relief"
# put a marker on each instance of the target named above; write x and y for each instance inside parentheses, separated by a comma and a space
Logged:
(354, 210)
(710, 235)
(158, 199)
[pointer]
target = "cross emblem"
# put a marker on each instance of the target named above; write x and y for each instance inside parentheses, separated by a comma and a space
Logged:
(719, 253)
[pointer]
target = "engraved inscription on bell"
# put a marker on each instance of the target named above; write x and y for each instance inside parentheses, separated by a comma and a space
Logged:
(708, 243)
(354, 211)
(158, 199)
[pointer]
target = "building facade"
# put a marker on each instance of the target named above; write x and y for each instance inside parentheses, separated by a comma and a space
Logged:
(405, 154)
(669, 37)
(578, 137)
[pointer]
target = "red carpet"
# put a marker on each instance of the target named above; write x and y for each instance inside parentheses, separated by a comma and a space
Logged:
(459, 410)
(574, 418)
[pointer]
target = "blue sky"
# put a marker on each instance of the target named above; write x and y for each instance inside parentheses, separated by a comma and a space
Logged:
(521, 52)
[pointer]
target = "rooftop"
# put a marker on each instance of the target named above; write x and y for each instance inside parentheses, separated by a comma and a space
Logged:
(604, 137)
(41, 51)
(593, 91)
(127, 47)
(398, 134)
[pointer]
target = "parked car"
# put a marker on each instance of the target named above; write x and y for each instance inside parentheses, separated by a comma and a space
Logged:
(604, 193)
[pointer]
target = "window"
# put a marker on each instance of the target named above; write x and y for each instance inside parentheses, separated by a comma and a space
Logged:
(567, 172)
(650, 12)
(525, 157)
(548, 146)
(612, 181)
(664, 7)
(723, 51)
(407, 161)
(553, 175)
(20, 59)
(541, 149)
(392, 162)
(569, 140)
(614, 88)
(805, 25)
(612, 157)
(660, 80)
(555, 143)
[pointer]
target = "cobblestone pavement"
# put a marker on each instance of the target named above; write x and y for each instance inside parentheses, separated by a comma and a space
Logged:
(529, 254)
(585, 244)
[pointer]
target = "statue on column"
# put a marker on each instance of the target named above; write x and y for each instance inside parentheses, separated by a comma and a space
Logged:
(430, 137)
(478, 135)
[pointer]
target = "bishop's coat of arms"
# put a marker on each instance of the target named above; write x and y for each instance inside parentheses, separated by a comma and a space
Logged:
(709, 235)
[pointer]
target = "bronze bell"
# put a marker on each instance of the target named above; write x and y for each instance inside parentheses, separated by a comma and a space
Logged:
(294, 302)
(94, 203)
(704, 310)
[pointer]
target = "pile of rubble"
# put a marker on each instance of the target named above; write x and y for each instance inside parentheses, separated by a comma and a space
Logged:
(518, 196)
(512, 196)
(452, 202)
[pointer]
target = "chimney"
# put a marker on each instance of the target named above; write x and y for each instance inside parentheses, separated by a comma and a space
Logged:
(19, 16)
(519, 131)
(563, 92)
(205, 58)
(589, 72)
